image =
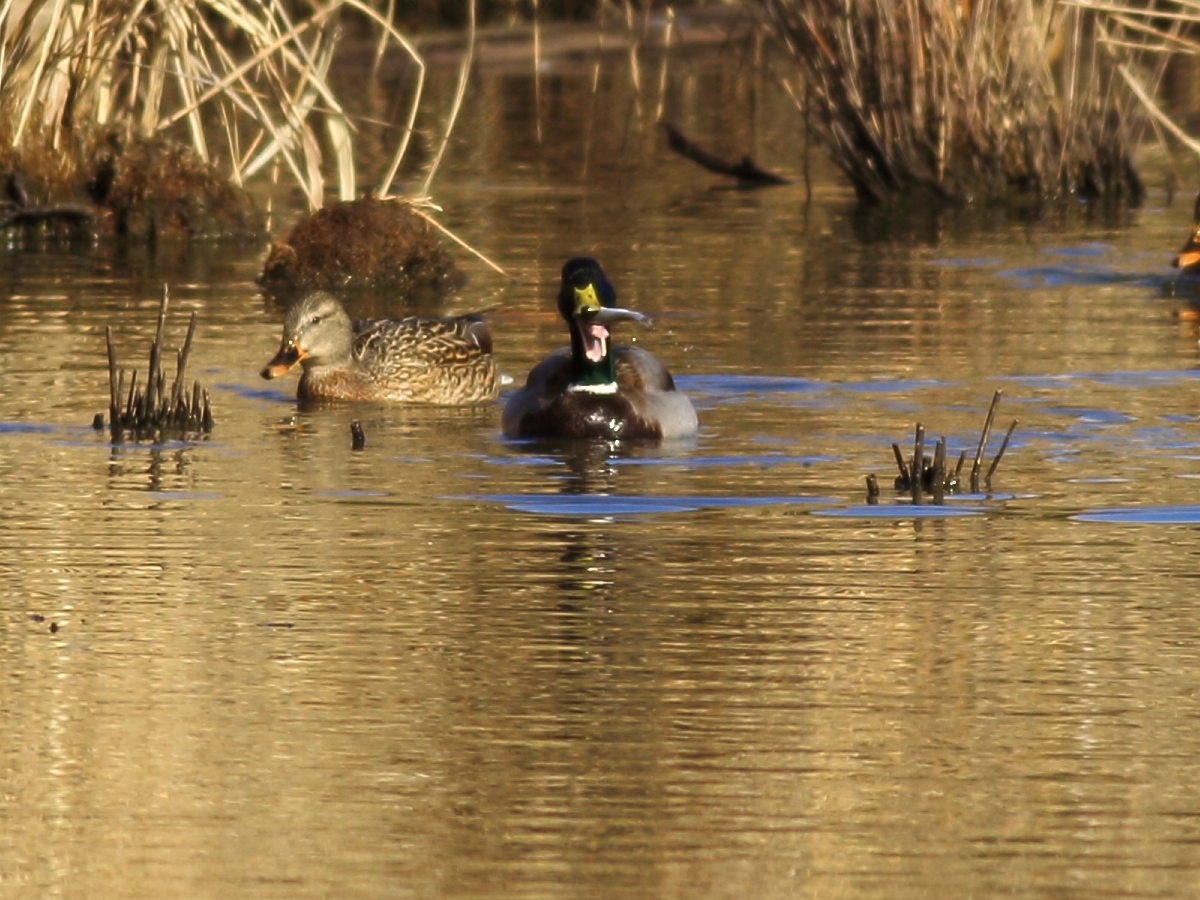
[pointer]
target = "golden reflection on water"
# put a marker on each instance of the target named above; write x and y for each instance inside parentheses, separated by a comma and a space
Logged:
(281, 667)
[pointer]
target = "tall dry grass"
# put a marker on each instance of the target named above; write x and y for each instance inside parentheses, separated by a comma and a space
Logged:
(963, 99)
(147, 69)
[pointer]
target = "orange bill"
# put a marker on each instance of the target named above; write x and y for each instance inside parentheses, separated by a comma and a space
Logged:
(287, 357)
(1190, 254)
(1187, 258)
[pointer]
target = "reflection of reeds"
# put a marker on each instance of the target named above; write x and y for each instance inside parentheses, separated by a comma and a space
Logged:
(148, 69)
(960, 100)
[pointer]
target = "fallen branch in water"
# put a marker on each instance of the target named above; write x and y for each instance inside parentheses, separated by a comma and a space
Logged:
(748, 174)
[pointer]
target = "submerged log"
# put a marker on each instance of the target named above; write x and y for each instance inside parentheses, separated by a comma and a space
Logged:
(153, 413)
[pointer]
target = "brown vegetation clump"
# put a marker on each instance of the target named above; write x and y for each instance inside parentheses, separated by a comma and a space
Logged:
(242, 84)
(145, 190)
(366, 243)
(966, 101)
(156, 189)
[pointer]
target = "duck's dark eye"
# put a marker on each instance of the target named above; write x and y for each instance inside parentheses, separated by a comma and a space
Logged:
(316, 320)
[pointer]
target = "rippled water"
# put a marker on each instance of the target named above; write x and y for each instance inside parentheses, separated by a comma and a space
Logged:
(265, 664)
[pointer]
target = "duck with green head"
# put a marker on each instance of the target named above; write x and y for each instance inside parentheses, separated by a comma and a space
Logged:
(419, 359)
(593, 389)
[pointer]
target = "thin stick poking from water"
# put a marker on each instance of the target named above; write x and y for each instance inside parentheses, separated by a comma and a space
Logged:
(872, 490)
(901, 465)
(918, 464)
(983, 438)
(115, 425)
(181, 366)
(152, 374)
(939, 472)
(114, 391)
(132, 394)
(1003, 446)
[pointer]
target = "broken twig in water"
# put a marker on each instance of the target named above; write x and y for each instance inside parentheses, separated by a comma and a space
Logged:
(872, 490)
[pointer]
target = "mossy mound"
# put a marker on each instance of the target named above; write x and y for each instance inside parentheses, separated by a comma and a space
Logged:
(142, 190)
(155, 189)
(362, 244)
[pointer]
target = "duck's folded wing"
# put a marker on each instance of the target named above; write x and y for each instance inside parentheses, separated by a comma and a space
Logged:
(552, 375)
(474, 329)
(547, 381)
(639, 370)
(391, 349)
(650, 389)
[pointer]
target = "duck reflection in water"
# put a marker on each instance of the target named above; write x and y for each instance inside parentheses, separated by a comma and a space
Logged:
(593, 390)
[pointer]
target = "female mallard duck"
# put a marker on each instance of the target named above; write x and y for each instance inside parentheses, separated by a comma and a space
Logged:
(419, 359)
(592, 389)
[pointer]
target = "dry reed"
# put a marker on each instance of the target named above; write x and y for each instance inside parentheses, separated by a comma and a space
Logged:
(239, 76)
(984, 99)
(152, 412)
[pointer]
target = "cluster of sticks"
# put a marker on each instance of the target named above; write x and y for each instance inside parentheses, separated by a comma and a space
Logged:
(930, 475)
(152, 410)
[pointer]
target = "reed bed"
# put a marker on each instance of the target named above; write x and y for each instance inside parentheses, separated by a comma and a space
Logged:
(150, 410)
(962, 100)
(243, 84)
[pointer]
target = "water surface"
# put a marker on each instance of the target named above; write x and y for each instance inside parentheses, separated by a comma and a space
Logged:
(263, 664)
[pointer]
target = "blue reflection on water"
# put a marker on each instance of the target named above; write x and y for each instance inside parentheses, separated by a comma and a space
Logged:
(626, 505)
(742, 385)
(24, 428)
(1078, 273)
(1143, 515)
(1089, 415)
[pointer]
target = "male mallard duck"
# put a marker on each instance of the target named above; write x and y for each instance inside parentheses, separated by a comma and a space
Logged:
(592, 389)
(1189, 255)
(419, 359)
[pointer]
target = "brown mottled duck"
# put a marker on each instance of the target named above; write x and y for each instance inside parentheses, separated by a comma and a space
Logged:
(593, 389)
(419, 359)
